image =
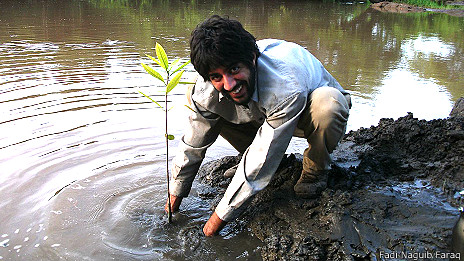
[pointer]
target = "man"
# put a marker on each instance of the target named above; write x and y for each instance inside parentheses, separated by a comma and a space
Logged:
(257, 95)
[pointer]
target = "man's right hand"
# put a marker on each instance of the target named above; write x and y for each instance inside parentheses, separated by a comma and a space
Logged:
(175, 203)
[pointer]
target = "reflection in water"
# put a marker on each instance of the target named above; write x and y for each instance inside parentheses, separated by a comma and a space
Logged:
(426, 47)
(407, 86)
(405, 91)
(81, 153)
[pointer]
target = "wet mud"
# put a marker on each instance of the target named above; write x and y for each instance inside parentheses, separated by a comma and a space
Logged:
(397, 7)
(393, 193)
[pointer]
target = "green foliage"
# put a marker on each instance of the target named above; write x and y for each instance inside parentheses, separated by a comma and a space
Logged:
(169, 70)
(422, 3)
(170, 82)
(173, 74)
(435, 4)
(153, 72)
(151, 99)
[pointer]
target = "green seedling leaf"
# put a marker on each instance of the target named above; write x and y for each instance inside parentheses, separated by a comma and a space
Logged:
(182, 66)
(151, 99)
(190, 108)
(186, 82)
(175, 80)
(154, 59)
(176, 71)
(153, 73)
(162, 57)
(173, 64)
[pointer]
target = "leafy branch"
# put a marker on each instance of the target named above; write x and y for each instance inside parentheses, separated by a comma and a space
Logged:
(173, 74)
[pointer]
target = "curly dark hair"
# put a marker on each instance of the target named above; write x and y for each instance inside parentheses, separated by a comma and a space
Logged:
(220, 41)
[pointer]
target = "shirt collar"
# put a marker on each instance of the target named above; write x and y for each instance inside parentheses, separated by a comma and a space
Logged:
(254, 96)
(221, 96)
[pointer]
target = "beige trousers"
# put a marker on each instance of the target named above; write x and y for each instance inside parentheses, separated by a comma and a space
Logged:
(323, 123)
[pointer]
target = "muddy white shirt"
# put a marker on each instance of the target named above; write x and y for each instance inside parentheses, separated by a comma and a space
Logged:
(286, 75)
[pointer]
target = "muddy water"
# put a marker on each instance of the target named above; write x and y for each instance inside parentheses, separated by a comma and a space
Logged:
(82, 153)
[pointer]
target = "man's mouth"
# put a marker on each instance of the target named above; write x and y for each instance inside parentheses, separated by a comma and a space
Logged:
(237, 90)
(239, 93)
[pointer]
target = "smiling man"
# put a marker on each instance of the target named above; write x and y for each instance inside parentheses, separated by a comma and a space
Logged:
(257, 95)
(235, 82)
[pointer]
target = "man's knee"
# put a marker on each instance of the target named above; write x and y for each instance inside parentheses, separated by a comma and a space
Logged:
(328, 106)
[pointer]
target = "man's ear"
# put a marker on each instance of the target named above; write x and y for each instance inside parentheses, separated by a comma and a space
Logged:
(254, 59)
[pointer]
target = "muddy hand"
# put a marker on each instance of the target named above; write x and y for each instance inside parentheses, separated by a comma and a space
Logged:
(175, 203)
(213, 226)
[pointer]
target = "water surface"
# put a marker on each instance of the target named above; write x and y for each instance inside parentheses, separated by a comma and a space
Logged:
(82, 152)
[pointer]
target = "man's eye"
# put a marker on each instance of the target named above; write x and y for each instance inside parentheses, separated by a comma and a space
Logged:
(235, 69)
(214, 78)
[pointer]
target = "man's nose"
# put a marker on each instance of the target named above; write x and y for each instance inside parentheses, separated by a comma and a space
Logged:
(229, 83)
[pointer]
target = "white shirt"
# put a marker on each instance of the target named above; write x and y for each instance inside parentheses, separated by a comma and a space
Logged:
(286, 75)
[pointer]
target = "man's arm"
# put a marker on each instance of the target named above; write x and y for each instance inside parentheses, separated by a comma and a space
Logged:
(202, 130)
(175, 203)
(214, 225)
(261, 159)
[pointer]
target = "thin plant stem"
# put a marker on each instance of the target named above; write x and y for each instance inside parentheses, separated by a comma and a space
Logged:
(167, 151)
(162, 60)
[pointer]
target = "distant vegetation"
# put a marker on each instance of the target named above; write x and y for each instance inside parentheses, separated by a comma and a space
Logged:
(148, 3)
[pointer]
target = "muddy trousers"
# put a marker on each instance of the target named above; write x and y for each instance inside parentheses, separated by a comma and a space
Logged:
(322, 123)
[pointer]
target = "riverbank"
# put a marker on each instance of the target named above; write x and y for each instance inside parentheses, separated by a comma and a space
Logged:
(392, 192)
(394, 7)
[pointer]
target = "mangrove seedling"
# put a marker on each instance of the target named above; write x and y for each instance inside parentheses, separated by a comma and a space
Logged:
(172, 74)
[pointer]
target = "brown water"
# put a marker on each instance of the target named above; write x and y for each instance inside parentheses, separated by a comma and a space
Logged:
(81, 152)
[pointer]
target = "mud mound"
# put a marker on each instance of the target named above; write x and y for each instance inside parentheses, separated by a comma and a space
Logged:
(396, 7)
(408, 149)
(392, 7)
(391, 194)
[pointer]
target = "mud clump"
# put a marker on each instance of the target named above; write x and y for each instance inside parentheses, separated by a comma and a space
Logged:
(392, 191)
(392, 7)
(396, 7)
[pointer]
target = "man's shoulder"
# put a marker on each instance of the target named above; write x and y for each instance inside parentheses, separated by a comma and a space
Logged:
(283, 63)
(286, 55)
(276, 47)
(265, 43)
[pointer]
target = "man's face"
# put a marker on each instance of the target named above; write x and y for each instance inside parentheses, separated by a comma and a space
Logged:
(236, 82)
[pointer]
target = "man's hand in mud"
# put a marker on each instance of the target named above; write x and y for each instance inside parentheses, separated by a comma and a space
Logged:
(213, 226)
(175, 203)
